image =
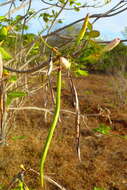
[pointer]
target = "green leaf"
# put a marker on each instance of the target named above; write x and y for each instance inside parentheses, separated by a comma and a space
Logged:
(17, 94)
(88, 92)
(80, 72)
(90, 26)
(31, 12)
(46, 17)
(3, 31)
(5, 55)
(98, 188)
(95, 45)
(122, 136)
(2, 18)
(103, 129)
(18, 137)
(20, 186)
(60, 21)
(77, 9)
(62, 1)
(94, 34)
(78, 4)
(5, 72)
(1, 186)
(107, 1)
(13, 78)
(8, 101)
(13, 95)
(125, 137)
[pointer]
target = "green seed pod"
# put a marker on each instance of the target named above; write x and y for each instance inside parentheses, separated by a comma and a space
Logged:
(83, 29)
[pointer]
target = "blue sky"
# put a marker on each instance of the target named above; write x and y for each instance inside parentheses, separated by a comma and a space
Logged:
(109, 27)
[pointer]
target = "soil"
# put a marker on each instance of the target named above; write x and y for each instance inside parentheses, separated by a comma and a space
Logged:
(104, 156)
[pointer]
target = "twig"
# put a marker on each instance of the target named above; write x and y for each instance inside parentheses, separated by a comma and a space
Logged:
(31, 108)
(77, 123)
(5, 3)
(48, 179)
(21, 174)
(56, 5)
(23, 5)
(2, 103)
(77, 118)
(72, 89)
(101, 15)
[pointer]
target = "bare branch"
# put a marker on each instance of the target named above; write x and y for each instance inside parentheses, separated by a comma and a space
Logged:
(97, 16)
(6, 3)
(22, 5)
(57, 5)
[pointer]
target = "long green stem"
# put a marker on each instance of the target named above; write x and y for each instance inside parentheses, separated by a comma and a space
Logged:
(52, 128)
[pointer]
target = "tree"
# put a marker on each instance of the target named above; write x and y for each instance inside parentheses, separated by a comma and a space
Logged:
(50, 13)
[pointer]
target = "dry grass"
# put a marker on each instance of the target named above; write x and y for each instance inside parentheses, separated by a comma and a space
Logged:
(104, 158)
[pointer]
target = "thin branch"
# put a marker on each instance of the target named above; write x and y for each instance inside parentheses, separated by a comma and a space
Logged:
(116, 7)
(47, 178)
(6, 3)
(106, 42)
(101, 15)
(23, 5)
(56, 5)
(31, 108)
(77, 118)
(54, 20)
(23, 172)
(28, 9)
(51, 111)
(37, 68)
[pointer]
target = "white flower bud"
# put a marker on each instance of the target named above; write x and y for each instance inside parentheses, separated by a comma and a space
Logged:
(65, 63)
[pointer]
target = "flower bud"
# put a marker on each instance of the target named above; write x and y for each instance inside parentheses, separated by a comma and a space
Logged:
(65, 63)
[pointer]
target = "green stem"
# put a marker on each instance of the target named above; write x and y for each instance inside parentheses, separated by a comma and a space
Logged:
(50, 47)
(52, 128)
(46, 44)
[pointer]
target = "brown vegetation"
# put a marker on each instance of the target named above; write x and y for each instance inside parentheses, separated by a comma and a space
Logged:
(104, 157)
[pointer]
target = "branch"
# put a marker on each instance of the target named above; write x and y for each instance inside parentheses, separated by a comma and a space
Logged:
(6, 3)
(97, 16)
(56, 5)
(23, 5)
(28, 70)
(106, 42)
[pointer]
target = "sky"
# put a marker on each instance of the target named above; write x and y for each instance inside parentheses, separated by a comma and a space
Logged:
(109, 27)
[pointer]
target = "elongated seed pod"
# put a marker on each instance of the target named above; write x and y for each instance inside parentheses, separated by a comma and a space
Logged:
(108, 47)
(1, 66)
(83, 30)
(50, 67)
(52, 128)
(111, 45)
